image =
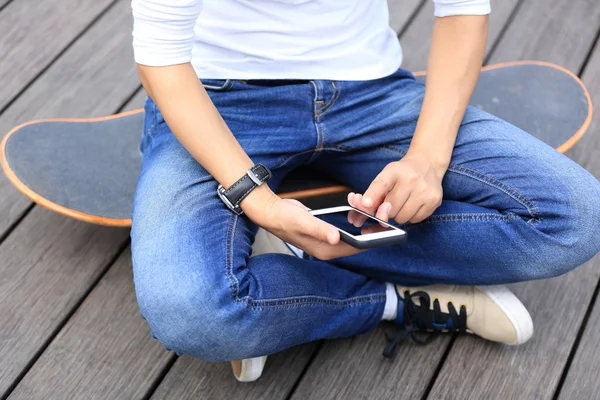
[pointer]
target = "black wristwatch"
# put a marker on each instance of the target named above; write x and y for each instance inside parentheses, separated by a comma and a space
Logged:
(254, 177)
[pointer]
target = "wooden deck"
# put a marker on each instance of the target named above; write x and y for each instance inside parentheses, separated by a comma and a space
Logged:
(69, 323)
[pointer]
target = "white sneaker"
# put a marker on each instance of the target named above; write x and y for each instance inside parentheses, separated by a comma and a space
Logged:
(491, 312)
(249, 369)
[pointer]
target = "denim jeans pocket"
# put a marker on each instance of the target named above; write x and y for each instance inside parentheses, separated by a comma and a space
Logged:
(217, 85)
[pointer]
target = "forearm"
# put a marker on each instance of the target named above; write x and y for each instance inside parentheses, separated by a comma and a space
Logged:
(455, 59)
(195, 121)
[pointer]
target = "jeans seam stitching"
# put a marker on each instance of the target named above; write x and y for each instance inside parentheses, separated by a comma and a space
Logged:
(467, 217)
(314, 300)
(394, 149)
(291, 301)
(314, 100)
(320, 141)
(233, 284)
(332, 102)
(288, 157)
(493, 182)
(155, 121)
(342, 148)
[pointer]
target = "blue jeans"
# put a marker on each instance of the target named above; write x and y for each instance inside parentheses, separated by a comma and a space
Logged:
(514, 209)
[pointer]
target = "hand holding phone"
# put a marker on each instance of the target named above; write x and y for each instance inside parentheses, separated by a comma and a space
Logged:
(292, 222)
(360, 229)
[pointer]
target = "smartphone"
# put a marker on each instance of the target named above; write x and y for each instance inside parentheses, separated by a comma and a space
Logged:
(365, 231)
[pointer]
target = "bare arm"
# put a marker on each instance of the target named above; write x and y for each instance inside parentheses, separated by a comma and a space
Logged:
(410, 189)
(197, 124)
(455, 58)
(163, 34)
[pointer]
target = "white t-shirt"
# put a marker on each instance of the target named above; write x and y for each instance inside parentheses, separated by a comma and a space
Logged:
(276, 39)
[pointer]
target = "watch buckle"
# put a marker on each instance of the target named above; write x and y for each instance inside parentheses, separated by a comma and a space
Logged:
(236, 209)
(252, 175)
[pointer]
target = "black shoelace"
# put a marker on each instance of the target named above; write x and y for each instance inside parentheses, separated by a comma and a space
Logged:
(420, 318)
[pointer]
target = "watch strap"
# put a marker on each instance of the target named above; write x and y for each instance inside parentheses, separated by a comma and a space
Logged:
(255, 176)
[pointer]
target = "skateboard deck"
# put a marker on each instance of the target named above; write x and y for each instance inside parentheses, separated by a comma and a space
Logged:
(87, 168)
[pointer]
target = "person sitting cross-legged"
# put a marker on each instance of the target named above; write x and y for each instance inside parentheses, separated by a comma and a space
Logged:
(277, 84)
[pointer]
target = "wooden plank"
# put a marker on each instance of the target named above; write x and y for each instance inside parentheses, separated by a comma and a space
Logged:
(3, 3)
(477, 369)
(48, 264)
(34, 33)
(355, 366)
(417, 38)
(104, 352)
(582, 380)
(136, 101)
(108, 322)
(401, 11)
(196, 379)
(560, 31)
(93, 78)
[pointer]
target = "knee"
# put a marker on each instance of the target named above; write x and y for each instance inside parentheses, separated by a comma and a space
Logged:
(574, 232)
(193, 316)
(584, 225)
(186, 321)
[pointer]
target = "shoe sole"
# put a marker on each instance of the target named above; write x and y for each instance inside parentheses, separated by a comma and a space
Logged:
(249, 369)
(514, 310)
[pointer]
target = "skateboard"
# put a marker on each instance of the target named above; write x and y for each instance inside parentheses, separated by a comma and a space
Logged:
(87, 169)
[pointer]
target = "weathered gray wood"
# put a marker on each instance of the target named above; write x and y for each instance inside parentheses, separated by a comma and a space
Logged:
(476, 369)
(48, 264)
(587, 151)
(104, 352)
(3, 3)
(354, 368)
(401, 11)
(560, 31)
(417, 37)
(196, 379)
(582, 380)
(93, 78)
(102, 324)
(136, 101)
(34, 32)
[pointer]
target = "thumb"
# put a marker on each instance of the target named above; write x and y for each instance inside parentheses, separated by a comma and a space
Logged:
(320, 230)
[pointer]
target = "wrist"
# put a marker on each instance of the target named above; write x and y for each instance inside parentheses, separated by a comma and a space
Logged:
(258, 203)
(438, 162)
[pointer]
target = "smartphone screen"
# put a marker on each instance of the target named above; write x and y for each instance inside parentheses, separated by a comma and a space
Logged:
(354, 222)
